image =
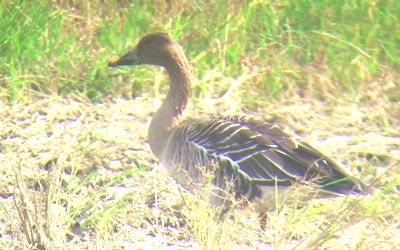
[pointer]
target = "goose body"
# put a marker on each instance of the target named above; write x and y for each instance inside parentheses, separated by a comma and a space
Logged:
(248, 158)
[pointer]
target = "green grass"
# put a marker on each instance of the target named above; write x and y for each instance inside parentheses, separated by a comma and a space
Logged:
(71, 148)
(65, 48)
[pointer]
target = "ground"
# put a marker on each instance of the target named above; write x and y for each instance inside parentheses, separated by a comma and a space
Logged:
(78, 174)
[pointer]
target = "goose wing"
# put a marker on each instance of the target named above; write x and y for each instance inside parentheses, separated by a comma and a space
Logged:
(266, 156)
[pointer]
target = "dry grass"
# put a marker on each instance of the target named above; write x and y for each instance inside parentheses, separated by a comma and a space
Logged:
(80, 175)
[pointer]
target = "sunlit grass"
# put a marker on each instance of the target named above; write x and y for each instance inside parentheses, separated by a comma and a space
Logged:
(331, 45)
(86, 159)
(75, 167)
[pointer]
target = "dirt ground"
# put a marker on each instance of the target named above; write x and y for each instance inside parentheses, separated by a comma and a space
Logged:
(77, 174)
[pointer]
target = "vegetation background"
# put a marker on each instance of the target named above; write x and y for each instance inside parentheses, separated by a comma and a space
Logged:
(75, 167)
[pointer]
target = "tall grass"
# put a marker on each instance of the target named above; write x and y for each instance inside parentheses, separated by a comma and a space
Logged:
(64, 47)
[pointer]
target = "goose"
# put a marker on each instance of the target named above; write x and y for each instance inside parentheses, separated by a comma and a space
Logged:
(248, 158)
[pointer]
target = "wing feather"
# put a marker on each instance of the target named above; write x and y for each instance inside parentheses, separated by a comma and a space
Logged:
(255, 152)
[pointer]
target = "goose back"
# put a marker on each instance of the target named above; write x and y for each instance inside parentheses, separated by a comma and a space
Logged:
(253, 155)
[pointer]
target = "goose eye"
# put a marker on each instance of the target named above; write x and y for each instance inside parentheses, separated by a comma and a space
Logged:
(147, 41)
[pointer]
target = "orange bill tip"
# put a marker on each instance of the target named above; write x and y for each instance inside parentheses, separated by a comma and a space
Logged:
(114, 62)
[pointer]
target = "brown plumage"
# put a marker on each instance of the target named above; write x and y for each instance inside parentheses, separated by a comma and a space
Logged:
(258, 158)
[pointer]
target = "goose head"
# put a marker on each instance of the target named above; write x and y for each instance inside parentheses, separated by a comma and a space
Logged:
(155, 49)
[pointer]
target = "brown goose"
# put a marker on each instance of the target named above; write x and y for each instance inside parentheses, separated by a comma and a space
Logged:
(258, 159)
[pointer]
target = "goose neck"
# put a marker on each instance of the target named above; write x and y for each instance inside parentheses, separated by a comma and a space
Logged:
(169, 115)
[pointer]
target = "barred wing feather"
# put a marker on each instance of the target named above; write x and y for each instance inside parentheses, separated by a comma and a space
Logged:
(257, 153)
